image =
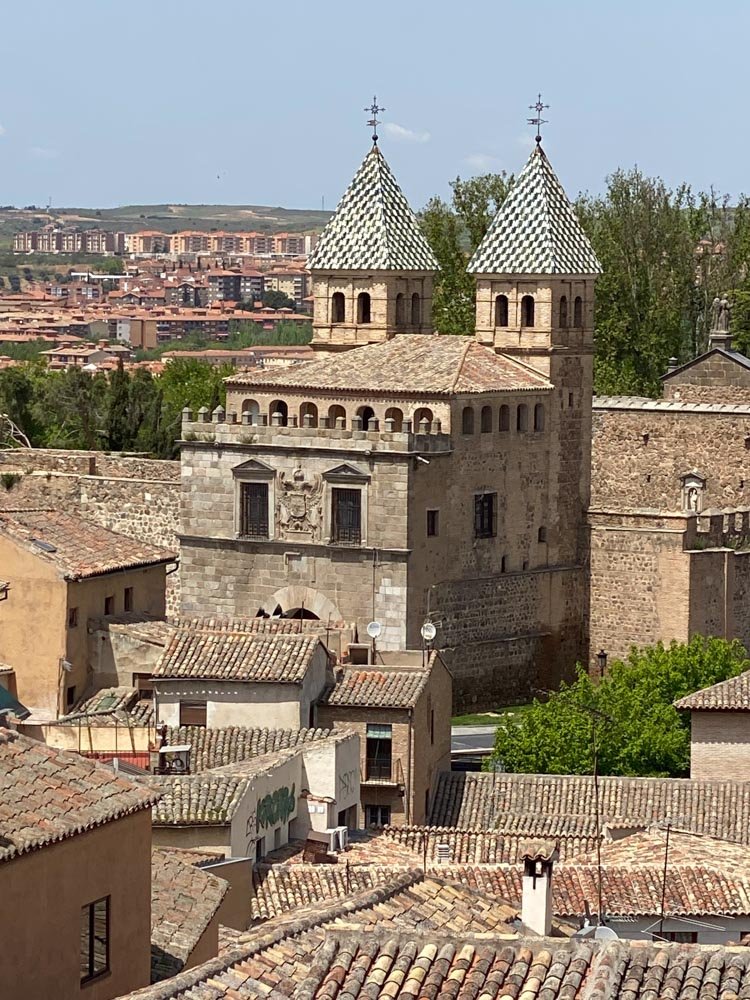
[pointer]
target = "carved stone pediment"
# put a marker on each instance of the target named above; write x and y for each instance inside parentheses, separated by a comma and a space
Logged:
(347, 473)
(254, 468)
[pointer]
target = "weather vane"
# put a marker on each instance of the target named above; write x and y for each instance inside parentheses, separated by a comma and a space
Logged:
(537, 119)
(374, 121)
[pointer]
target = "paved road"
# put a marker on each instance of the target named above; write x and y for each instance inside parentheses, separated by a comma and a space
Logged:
(472, 740)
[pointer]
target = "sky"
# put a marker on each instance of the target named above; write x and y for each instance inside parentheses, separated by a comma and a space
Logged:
(250, 102)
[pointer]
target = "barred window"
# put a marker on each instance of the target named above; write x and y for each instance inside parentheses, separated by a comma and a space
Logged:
(485, 515)
(254, 510)
(346, 516)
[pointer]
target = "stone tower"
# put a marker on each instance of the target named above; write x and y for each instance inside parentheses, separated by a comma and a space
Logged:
(372, 270)
(535, 273)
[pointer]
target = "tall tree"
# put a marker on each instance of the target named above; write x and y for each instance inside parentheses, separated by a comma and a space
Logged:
(121, 429)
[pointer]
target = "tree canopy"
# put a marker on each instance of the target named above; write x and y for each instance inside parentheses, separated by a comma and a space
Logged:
(638, 730)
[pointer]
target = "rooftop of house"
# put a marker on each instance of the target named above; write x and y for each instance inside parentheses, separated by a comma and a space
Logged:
(376, 687)
(49, 795)
(536, 230)
(136, 625)
(260, 624)
(212, 748)
(487, 801)
(732, 695)
(76, 547)
(423, 365)
(184, 901)
(713, 351)
(113, 706)
(237, 656)
(373, 227)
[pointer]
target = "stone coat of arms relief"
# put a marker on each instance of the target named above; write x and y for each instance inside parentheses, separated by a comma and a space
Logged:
(299, 505)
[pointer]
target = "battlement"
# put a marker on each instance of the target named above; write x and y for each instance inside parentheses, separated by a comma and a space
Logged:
(719, 529)
(249, 428)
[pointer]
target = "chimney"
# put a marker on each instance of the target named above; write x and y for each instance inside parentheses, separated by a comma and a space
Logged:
(538, 857)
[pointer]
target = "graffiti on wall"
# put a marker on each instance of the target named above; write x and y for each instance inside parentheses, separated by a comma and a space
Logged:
(277, 807)
(347, 783)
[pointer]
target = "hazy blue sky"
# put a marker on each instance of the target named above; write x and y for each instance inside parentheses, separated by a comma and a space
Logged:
(232, 101)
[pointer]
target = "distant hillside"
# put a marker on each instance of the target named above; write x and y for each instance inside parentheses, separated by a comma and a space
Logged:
(168, 218)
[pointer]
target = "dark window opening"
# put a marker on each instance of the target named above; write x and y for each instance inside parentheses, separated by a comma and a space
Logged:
(346, 516)
(578, 311)
(308, 410)
(504, 564)
(522, 418)
(109, 605)
(193, 713)
(377, 815)
(416, 310)
(485, 420)
(467, 420)
(367, 416)
(72, 617)
(337, 307)
(379, 752)
(679, 937)
(432, 725)
(542, 535)
(259, 849)
(70, 696)
(504, 423)
(501, 310)
(280, 407)
(363, 307)
(95, 939)
(485, 515)
(570, 399)
(527, 310)
(400, 309)
(433, 523)
(336, 413)
(539, 417)
(423, 413)
(525, 564)
(563, 312)
(254, 510)
(128, 599)
(397, 416)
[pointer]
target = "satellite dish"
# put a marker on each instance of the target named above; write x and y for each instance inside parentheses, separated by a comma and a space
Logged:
(428, 631)
(374, 629)
(604, 933)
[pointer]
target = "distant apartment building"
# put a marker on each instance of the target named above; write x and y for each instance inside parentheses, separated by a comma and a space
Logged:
(224, 286)
(54, 239)
(293, 283)
(148, 241)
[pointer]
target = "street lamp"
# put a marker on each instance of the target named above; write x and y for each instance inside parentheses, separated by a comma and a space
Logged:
(601, 659)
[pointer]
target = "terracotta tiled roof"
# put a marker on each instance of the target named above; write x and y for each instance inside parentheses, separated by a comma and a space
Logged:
(76, 547)
(536, 230)
(376, 687)
(115, 706)
(49, 795)
(732, 695)
(237, 656)
(184, 900)
(211, 748)
(409, 364)
(373, 226)
(282, 889)
(266, 626)
(572, 835)
(484, 801)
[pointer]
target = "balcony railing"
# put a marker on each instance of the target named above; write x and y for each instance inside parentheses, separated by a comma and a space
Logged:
(380, 772)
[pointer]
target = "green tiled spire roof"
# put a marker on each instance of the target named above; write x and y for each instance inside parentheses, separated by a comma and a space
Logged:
(373, 227)
(535, 230)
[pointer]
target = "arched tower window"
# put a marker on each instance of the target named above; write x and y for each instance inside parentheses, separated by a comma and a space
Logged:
(363, 307)
(467, 420)
(539, 417)
(485, 420)
(337, 307)
(416, 309)
(397, 416)
(335, 413)
(522, 417)
(527, 310)
(423, 413)
(279, 406)
(563, 312)
(501, 310)
(367, 415)
(252, 407)
(308, 410)
(400, 309)
(504, 423)
(578, 311)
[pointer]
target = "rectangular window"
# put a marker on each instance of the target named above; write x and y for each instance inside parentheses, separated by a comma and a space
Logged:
(346, 516)
(433, 523)
(72, 617)
(432, 725)
(193, 713)
(254, 510)
(379, 753)
(70, 696)
(95, 939)
(485, 515)
(377, 815)
(109, 605)
(681, 937)
(128, 603)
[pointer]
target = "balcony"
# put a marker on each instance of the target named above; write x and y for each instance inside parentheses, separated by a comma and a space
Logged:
(383, 772)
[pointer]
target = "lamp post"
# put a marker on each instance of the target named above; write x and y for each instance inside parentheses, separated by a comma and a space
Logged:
(601, 659)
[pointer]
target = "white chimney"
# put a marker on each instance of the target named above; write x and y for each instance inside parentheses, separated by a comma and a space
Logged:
(536, 899)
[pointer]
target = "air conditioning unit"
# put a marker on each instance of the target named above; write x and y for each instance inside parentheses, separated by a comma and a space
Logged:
(342, 833)
(337, 838)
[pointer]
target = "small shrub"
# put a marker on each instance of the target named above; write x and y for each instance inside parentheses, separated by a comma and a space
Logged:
(9, 479)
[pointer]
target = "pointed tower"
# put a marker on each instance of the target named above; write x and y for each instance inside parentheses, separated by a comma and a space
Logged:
(372, 269)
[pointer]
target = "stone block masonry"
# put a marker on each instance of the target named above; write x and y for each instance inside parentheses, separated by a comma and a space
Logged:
(135, 496)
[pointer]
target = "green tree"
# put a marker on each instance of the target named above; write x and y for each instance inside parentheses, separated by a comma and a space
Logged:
(476, 202)
(278, 300)
(121, 430)
(453, 299)
(639, 731)
(74, 404)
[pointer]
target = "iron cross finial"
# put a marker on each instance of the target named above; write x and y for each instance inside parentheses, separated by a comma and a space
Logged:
(374, 121)
(537, 119)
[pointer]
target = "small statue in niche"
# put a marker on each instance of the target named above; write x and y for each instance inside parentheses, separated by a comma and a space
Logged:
(692, 499)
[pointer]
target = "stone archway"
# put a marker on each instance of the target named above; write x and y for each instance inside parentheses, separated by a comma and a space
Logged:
(294, 598)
